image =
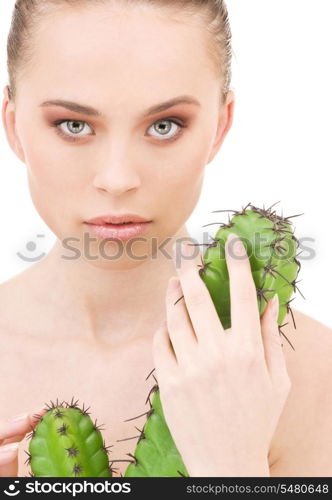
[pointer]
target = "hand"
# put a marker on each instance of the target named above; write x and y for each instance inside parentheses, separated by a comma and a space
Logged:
(222, 391)
(10, 435)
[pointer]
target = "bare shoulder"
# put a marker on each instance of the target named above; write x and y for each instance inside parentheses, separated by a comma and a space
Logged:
(17, 298)
(16, 324)
(302, 444)
(311, 343)
(308, 324)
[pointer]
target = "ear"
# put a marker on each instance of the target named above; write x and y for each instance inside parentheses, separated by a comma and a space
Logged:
(8, 120)
(224, 124)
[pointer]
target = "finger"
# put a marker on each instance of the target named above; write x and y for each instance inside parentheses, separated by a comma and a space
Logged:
(37, 415)
(274, 356)
(164, 357)
(9, 460)
(11, 428)
(180, 329)
(13, 439)
(14, 430)
(201, 309)
(245, 319)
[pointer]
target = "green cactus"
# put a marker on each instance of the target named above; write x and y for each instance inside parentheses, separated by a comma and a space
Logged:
(271, 247)
(156, 454)
(66, 443)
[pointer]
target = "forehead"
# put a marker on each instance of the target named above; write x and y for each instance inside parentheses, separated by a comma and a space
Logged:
(136, 49)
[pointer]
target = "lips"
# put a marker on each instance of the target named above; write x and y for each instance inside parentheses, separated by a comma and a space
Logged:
(117, 219)
(122, 232)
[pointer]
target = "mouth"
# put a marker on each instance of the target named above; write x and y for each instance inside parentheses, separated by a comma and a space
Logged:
(117, 220)
(118, 223)
(123, 231)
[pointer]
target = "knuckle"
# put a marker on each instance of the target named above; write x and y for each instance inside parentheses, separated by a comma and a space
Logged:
(245, 353)
(210, 363)
(191, 374)
(248, 358)
(214, 361)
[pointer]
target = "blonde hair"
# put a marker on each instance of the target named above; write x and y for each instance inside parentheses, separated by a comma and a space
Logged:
(27, 13)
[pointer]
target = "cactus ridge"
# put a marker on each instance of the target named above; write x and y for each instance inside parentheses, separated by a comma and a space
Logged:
(275, 270)
(66, 443)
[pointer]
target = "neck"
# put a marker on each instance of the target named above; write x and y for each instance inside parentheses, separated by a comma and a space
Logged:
(105, 304)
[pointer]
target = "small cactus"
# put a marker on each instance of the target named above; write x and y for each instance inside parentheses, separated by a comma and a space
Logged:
(271, 248)
(66, 443)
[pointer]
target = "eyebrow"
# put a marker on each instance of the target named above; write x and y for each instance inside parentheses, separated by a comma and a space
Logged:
(88, 110)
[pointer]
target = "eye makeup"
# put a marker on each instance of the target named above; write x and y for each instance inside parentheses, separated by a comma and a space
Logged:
(181, 123)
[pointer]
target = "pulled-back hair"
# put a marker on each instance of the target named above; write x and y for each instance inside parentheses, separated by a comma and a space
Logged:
(27, 13)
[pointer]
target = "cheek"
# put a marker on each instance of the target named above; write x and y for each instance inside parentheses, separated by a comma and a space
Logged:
(54, 172)
(186, 183)
(179, 192)
(53, 183)
(187, 195)
(185, 171)
(52, 166)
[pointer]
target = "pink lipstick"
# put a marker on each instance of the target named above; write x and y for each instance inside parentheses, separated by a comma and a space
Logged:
(121, 227)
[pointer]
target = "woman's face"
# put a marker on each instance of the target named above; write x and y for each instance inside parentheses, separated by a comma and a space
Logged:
(121, 62)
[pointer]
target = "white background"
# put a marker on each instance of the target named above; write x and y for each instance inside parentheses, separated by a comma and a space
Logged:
(279, 148)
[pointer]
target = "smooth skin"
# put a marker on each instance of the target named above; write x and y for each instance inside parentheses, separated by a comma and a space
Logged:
(230, 385)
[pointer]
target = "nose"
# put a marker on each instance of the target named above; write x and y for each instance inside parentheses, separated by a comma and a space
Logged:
(117, 173)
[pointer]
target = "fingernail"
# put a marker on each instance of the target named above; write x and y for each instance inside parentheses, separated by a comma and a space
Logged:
(235, 247)
(173, 283)
(18, 418)
(275, 305)
(8, 447)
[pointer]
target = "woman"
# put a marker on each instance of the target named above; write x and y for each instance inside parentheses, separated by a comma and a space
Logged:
(104, 103)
